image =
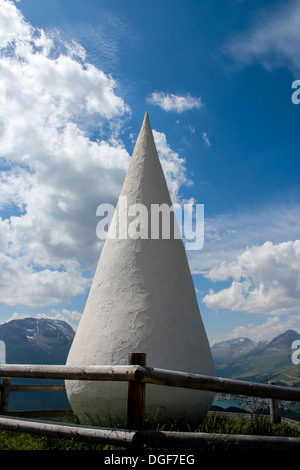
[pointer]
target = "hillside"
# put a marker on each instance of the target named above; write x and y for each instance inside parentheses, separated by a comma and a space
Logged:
(243, 359)
(261, 362)
(36, 341)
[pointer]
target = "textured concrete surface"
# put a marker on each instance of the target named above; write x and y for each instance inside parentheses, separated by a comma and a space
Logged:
(142, 299)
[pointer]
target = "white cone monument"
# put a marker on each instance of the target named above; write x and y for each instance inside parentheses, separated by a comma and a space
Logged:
(142, 299)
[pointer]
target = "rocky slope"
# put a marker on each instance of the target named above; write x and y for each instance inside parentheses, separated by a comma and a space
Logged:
(241, 358)
(36, 341)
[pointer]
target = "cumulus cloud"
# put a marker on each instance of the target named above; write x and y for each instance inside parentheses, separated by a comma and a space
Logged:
(175, 103)
(273, 39)
(173, 166)
(54, 172)
(70, 316)
(14, 28)
(239, 276)
(60, 157)
(228, 235)
(272, 327)
(264, 279)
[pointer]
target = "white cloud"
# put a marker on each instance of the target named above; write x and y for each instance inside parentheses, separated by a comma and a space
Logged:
(70, 316)
(60, 157)
(272, 327)
(53, 174)
(265, 279)
(13, 27)
(173, 166)
(273, 40)
(178, 104)
(23, 284)
(206, 139)
(226, 236)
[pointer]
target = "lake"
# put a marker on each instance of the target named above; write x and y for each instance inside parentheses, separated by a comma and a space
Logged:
(227, 404)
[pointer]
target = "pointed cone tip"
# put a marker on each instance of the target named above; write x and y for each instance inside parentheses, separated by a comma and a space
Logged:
(146, 128)
(145, 144)
(146, 121)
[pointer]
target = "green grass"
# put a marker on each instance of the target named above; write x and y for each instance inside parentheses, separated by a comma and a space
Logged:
(257, 425)
(11, 440)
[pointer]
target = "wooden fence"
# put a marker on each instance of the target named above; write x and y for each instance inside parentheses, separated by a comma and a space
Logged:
(137, 374)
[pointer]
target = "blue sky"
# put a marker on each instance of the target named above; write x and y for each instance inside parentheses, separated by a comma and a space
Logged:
(216, 79)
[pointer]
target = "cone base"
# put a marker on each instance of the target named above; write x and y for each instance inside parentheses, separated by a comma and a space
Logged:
(165, 406)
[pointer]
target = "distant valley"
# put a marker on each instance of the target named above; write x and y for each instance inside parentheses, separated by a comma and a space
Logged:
(241, 358)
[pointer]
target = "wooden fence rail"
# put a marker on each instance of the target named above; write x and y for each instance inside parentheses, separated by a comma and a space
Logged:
(151, 439)
(137, 374)
(143, 374)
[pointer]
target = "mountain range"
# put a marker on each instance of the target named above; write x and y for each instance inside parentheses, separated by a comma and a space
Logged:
(263, 361)
(47, 341)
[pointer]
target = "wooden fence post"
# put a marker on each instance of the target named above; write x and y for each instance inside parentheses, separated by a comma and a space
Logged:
(5, 386)
(136, 396)
(274, 409)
